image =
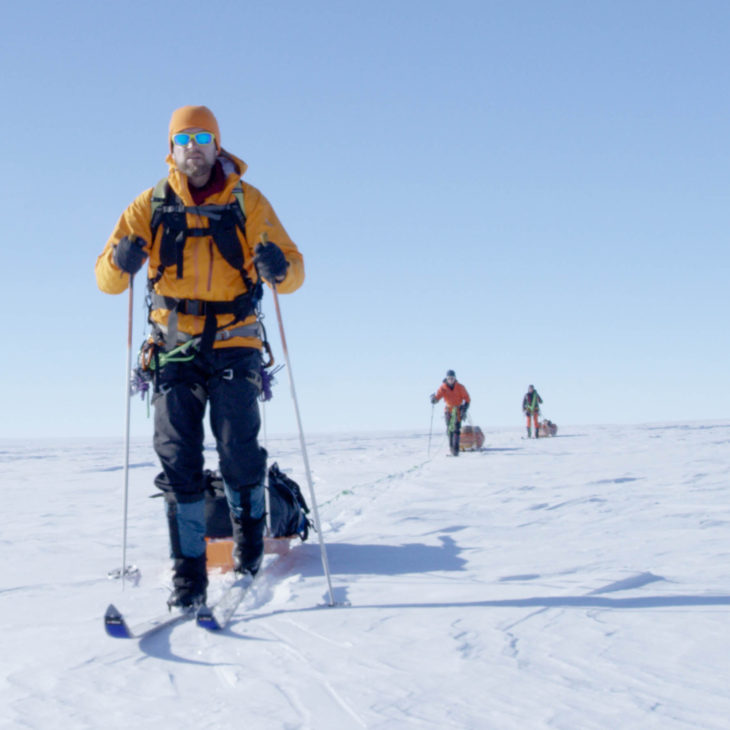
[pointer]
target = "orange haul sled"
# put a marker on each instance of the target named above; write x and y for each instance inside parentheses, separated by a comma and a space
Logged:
(472, 438)
(219, 551)
(548, 428)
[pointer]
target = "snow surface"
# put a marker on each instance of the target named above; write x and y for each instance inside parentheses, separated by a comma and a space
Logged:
(573, 582)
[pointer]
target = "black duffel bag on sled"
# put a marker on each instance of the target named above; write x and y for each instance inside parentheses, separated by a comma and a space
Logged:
(288, 509)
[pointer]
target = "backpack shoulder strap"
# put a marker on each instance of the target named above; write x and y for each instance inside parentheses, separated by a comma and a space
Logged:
(159, 196)
(238, 194)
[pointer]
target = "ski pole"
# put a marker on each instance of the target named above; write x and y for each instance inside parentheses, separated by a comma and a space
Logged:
(128, 398)
(323, 550)
(430, 429)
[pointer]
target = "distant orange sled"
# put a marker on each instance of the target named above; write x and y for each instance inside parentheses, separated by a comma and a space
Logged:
(472, 438)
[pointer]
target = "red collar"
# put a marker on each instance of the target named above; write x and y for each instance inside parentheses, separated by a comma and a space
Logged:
(215, 184)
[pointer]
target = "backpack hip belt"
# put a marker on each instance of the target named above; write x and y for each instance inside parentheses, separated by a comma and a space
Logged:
(255, 329)
(242, 307)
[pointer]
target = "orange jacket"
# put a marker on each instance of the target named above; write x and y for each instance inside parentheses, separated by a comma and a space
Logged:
(453, 395)
(206, 274)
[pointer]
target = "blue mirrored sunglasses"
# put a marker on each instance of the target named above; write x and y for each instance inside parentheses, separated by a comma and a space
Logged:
(199, 138)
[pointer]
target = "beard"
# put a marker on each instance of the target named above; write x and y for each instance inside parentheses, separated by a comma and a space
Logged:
(196, 162)
(197, 167)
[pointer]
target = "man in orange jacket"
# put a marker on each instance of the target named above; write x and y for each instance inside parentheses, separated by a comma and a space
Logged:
(210, 239)
(456, 401)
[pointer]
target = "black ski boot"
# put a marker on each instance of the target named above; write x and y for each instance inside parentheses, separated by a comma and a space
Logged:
(248, 551)
(190, 582)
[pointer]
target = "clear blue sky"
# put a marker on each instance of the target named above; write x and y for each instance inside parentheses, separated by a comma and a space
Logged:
(526, 192)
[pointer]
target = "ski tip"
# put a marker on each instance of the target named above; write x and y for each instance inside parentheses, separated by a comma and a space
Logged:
(114, 624)
(112, 613)
(206, 620)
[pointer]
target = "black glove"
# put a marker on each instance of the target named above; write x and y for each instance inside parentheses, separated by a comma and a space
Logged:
(270, 262)
(434, 399)
(464, 409)
(129, 254)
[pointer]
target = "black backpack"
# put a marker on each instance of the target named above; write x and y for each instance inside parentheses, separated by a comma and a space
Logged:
(287, 506)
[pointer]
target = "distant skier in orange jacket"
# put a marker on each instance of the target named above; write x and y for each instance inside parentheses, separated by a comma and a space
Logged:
(457, 403)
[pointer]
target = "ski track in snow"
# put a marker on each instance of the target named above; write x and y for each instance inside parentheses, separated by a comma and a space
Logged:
(575, 582)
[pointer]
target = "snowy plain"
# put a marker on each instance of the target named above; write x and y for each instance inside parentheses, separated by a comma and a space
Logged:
(574, 582)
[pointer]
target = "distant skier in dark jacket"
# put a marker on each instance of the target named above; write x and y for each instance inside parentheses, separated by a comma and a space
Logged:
(531, 407)
(457, 402)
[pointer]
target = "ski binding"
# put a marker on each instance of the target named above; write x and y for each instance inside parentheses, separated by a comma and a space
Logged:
(217, 616)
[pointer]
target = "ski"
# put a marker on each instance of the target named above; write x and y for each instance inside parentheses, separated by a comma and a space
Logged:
(215, 617)
(117, 627)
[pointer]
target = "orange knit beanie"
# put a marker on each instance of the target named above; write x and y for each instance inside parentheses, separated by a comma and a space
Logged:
(187, 117)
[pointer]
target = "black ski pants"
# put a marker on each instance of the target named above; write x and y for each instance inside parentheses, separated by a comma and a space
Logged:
(228, 380)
